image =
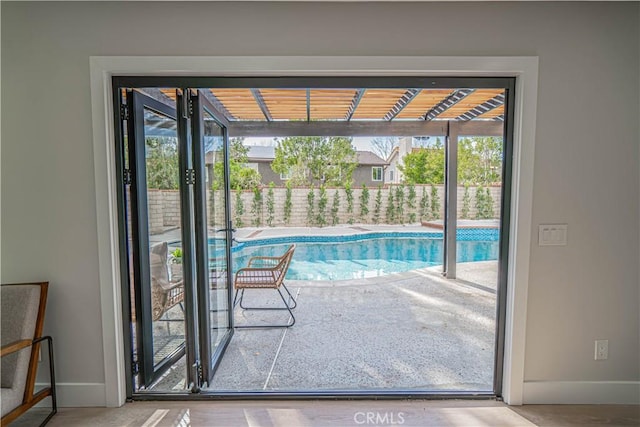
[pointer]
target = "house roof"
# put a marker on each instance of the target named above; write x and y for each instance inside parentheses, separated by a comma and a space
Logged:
(369, 158)
(261, 153)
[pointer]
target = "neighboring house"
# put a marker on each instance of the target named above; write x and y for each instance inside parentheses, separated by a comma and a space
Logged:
(393, 173)
(260, 159)
(370, 170)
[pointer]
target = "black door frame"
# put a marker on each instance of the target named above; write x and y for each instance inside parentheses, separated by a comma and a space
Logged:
(434, 82)
(209, 361)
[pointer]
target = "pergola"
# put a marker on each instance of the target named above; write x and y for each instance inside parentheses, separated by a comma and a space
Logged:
(254, 112)
(447, 112)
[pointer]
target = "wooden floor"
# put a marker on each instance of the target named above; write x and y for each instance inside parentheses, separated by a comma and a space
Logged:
(347, 413)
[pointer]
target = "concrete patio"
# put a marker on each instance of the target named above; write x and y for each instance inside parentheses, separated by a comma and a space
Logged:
(405, 331)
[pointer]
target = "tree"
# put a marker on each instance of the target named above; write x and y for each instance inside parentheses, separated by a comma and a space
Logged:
(314, 159)
(383, 146)
(424, 165)
(163, 170)
(480, 160)
(241, 176)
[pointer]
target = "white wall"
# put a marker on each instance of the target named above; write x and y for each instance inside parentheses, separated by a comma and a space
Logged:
(587, 144)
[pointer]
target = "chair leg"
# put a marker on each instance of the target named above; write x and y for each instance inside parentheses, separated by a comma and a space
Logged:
(286, 307)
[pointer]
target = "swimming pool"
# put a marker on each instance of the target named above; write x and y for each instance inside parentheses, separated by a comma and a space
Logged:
(369, 255)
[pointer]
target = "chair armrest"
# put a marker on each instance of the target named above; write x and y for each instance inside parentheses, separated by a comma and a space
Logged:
(14, 346)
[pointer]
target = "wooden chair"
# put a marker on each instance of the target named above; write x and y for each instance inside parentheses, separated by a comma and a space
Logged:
(23, 307)
(265, 273)
(165, 293)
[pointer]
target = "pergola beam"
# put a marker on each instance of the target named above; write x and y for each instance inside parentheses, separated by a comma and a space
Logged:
(448, 102)
(337, 128)
(263, 107)
(402, 103)
(480, 109)
(354, 103)
(156, 93)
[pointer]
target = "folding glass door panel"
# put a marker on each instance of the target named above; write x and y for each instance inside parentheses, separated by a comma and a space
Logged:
(178, 238)
(213, 236)
(156, 236)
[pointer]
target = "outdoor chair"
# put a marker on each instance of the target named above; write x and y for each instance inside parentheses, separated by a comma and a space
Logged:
(165, 293)
(265, 273)
(23, 308)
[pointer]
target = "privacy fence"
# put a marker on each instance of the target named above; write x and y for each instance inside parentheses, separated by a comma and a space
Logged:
(304, 207)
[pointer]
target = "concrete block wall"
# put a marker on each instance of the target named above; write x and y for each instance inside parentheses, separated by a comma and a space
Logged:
(164, 206)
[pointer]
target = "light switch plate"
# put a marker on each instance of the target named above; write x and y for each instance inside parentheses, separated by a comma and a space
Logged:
(552, 235)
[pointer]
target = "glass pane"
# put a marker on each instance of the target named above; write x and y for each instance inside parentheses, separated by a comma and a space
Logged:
(165, 246)
(477, 245)
(216, 222)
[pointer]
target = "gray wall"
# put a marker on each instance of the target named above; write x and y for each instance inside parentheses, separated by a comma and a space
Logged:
(268, 175)
(586, 161)
(362, 175)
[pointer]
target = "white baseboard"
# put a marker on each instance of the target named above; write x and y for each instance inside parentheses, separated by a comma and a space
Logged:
(581, 392)
(75, 395)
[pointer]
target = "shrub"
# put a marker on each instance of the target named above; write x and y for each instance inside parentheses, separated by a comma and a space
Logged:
(466, 203)
(322, 207)
(349, 193)
(480, 203)
(435, 203)
(411, 203)
(335, 208)
(287, 204)
(488, 204)
(310, 207)
(364, 203)
(270, 205)
(390, 213)
(378, 205)
(256, 207)
(400, 204)
(424, 205)
(239, 209)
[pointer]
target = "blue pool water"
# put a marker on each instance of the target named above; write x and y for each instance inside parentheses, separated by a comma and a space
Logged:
(344, 257)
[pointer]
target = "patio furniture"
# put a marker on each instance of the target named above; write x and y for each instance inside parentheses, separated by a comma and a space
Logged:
(264, 272)
(23, 308)
(165, 293)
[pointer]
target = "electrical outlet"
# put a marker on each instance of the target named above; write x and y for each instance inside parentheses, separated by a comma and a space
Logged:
(602, 350)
